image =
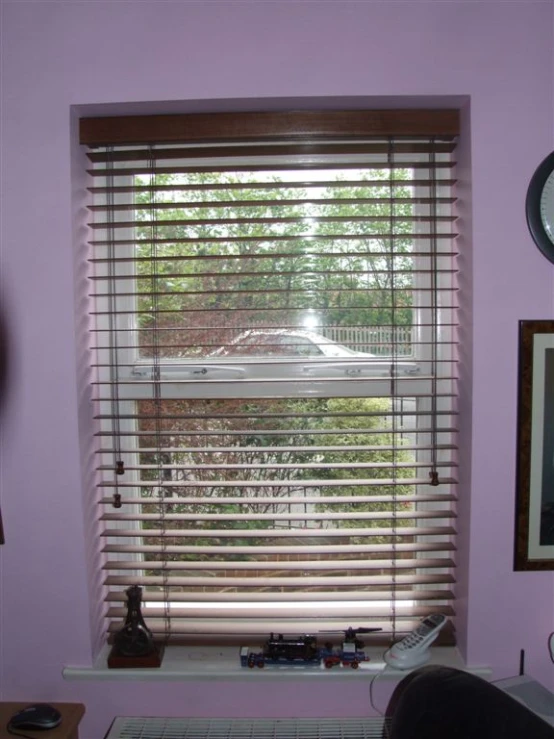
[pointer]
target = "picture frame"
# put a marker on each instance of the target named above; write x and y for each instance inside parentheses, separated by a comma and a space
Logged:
(534, 516)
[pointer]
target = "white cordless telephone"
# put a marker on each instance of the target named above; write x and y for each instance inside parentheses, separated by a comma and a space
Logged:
(413, 650)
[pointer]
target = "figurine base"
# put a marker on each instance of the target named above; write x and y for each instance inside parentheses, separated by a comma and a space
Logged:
(116, 660)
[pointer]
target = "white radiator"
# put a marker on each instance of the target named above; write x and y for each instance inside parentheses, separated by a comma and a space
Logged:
(246, 728)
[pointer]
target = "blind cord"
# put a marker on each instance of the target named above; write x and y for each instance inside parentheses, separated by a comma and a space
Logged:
(158, 392)
(393, 371)
(118, 464)
(433, 473)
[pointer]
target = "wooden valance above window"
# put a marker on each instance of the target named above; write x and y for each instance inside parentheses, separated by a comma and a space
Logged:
(293, 125)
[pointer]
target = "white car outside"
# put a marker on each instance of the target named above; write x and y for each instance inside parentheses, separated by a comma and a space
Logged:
(298, 344)
(271, 358)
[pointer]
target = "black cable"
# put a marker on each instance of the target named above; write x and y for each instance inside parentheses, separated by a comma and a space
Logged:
(371, 682)
(18, 733)
(386, 719)
(372, 704)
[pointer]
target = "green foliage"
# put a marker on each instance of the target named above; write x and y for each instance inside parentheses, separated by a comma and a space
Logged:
(360, 422)
(214, 254)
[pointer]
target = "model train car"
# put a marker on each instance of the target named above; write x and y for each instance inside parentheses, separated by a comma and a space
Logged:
(346, 655)
(305, 650)
(278, 649)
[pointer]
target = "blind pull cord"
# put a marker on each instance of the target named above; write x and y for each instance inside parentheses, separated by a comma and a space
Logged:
(391, 162)
(434, 473)
(119, 465)
(160, 456)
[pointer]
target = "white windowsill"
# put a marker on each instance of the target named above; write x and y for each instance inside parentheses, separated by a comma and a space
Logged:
(212, 663)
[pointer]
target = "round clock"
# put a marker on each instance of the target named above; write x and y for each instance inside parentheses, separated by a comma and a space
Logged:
(539, 207)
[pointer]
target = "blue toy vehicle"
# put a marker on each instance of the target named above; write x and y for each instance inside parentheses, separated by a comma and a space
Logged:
(348, 655)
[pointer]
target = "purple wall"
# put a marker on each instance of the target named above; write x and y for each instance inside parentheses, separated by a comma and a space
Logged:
(495, 57)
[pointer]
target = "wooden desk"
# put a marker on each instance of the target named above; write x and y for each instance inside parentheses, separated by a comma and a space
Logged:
(72, 713)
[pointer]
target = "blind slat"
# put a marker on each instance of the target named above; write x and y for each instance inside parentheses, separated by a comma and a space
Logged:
(439, 183)
(299, 549)
(265, 150)
(369, 482)
(276, 220)
(308, 611)
(262, 628)
(265, 203)
(328, 533)
(402, 594)
(300, 166)
(289, 567)
(268, 582)
(390, 236)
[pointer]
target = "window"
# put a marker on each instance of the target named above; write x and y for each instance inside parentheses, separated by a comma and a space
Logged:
(274, 339)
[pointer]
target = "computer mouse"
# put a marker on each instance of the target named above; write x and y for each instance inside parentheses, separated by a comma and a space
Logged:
(36, 717)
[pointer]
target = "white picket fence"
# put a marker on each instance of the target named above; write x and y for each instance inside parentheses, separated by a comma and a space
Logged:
(375, 339)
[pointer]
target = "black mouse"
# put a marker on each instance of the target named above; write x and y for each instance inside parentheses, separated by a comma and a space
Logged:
(36, 717)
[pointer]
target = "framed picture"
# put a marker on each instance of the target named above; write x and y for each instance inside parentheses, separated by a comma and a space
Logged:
(534, 530)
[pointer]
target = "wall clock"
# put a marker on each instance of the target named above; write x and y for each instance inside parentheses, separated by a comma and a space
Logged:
(539, 207)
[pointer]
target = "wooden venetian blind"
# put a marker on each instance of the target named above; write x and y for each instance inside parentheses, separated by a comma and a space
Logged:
(274, 338)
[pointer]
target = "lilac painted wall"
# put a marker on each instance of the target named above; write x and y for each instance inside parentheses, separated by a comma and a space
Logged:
(235, 54)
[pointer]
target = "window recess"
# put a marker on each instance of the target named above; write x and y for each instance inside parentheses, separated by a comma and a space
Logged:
(274, 334)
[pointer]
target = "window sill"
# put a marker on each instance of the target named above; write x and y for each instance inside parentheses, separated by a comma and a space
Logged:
(211, 664)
